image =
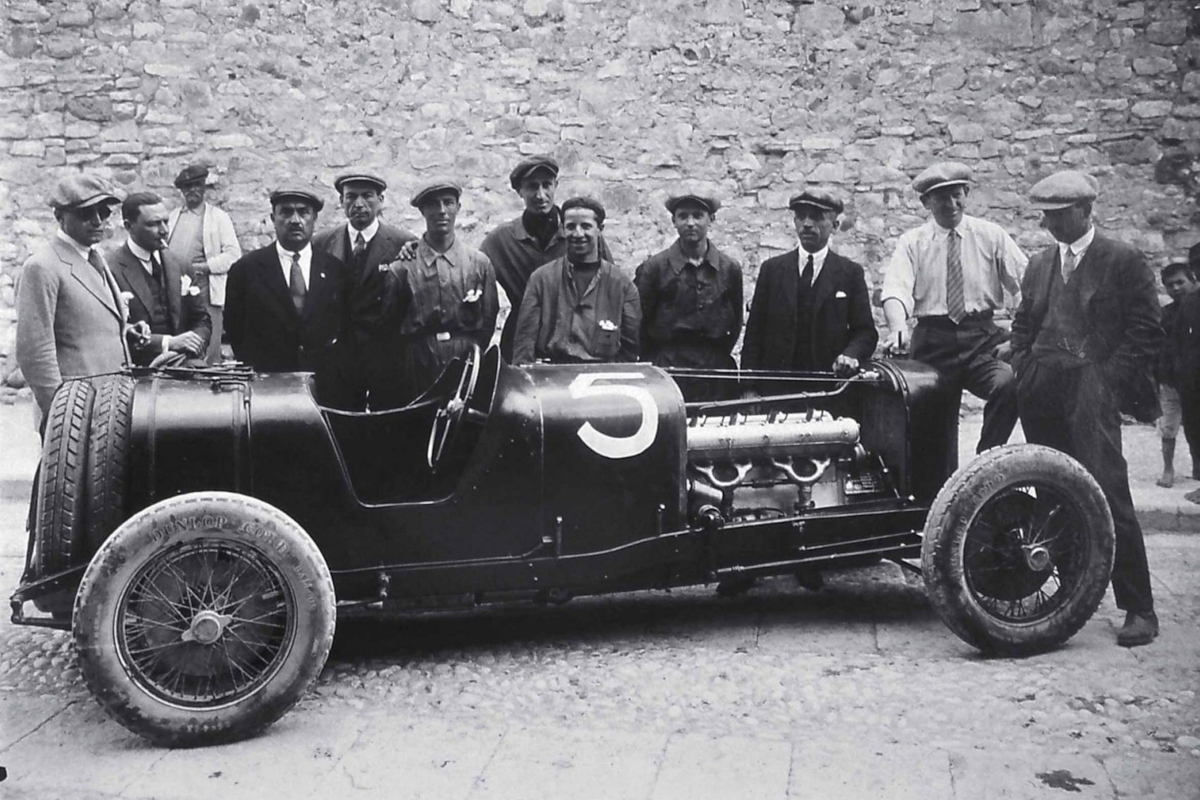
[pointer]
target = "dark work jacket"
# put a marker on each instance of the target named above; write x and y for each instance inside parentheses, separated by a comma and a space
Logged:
(182, 313)
(365, 286)
(1121, 313)
(841, 314)
(263, 326)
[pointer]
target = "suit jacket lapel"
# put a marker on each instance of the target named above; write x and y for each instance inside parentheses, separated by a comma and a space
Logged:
(134, 276)
(823, 286)
(96, 284)
(317, 284)
(174, 289)
(789, 284)
(1090, 271)
(272, 277)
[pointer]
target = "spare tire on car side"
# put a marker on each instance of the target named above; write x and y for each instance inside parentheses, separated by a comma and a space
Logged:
(108, 459)
(1018, 549)
(203, 619)
(62, 480)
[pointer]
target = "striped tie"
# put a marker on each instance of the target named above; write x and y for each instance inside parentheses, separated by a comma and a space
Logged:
(956, 305)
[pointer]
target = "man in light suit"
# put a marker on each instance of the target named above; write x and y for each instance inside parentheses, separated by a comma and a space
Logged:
(70, 316)
(368, 368)
(285, 305)
(810, 311)
(164, 304)
(1083, 345)
(201, 236)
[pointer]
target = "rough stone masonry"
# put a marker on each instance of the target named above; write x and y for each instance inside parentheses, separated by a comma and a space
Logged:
(754, 97)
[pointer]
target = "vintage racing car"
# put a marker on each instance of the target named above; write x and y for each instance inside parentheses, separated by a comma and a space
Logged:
(200, 531)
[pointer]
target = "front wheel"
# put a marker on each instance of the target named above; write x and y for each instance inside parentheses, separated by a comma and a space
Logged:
(203, 619)
(1018, 549)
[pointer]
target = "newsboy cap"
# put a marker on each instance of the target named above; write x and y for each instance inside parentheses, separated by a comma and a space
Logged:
(359, 177)
(291, 191)
(585, 201)
(440, 185)
(529, 166)
(709, 204)
(83, 190)
(1063, 190)
(817, 198)
(941, 174)
(193, 173)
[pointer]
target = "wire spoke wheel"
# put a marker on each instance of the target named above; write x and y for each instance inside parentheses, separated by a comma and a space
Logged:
(202, 619)
(1017, 550)
(205, 624)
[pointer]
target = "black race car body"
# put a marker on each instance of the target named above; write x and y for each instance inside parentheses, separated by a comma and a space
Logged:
(172, 504)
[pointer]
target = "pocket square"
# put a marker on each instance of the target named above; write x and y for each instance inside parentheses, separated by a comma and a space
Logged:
(840, 294)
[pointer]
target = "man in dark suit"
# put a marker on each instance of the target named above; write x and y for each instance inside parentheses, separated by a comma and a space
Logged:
(284, 308)
(1083, 345)
(166, 308)
(810, 311)
(368, 370)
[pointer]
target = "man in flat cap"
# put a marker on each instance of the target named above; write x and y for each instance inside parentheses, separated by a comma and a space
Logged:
(951, 274)
(691, 296)
(164, 304)
(520, 246)
(368, 366)
(811, 311)
(579, 308)
(70, 315)
(285, 302)
(202, 236)
(443, 302)
(1083, 342)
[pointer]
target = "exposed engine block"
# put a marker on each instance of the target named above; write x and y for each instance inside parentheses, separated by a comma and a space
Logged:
(770, 465)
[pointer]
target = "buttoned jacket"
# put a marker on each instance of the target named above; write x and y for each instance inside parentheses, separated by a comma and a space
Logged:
(365, 301)
(184, 312)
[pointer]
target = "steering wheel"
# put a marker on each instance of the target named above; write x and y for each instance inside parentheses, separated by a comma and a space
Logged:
(447, 422)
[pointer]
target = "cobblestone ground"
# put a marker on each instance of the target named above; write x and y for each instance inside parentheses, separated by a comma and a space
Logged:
(864, 659)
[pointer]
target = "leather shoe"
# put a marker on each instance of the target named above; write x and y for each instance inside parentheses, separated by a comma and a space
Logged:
(1140, 628)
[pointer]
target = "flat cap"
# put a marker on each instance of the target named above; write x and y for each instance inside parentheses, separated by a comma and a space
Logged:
(817, 198)
(192, 173)
(584, 201)
(292, 191)
(358, 177)
(709, 204)
(943, 173)
(439, 185)
(1063, 190)
(83, 190)
(529, 166)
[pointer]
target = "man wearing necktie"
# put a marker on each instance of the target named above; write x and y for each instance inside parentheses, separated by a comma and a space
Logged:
(1084, 341)
(952, 274)
(367, 369)
(811, 311)
(285, 304)
(164, 302)
(70, 316)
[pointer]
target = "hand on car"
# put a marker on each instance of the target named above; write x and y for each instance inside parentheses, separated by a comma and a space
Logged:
(845, 365)
(896, 343)
(189, 342)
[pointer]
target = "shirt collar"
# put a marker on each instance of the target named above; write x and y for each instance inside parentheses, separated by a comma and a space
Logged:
(428, 255)
(1080, 245)
(198, 210)
(817, 257)
(678, 260)
(74, 245)
(141, 253)
(367, 232)
(285, 256)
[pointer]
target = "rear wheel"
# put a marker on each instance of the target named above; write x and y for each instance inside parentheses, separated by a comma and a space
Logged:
(1018, 549)
(203, 619)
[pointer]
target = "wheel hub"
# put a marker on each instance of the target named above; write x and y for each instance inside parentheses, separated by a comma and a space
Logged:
(207, 627)
(1037, 558)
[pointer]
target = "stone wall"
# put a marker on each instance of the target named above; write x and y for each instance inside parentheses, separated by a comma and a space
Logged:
(755, 97)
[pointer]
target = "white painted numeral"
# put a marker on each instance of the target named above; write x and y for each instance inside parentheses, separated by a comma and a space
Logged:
(617, 446)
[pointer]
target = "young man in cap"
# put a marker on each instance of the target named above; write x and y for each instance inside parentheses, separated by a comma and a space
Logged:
(951, 274)
(691, 296)
(202, 237)
(368, 366)
(284, 307)
(811, 311)
(520, 246)
(579, 308)
(1173, 363)
(1083, 343)
(444, 302)
(70, 315)
(163, 302)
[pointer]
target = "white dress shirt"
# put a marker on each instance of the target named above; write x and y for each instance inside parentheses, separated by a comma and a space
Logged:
(1078, 247)
(818, 262)
(368, 233)
(285, 262)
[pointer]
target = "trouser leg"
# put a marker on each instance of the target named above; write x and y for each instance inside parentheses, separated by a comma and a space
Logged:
(1190, 413)
(217, 315)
